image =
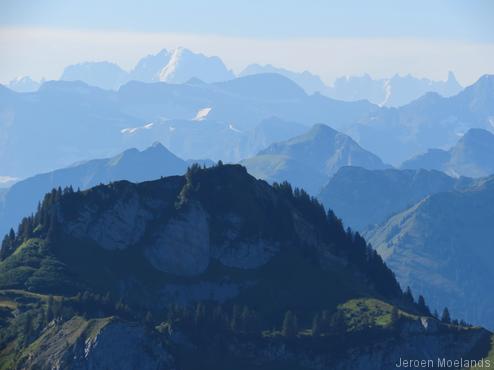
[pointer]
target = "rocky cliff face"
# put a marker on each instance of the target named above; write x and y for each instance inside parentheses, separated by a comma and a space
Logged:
(109, 343)
(182, 246)
(174, 240)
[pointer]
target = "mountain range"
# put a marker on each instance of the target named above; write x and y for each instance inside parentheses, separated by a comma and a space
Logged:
(174, 66)
(442, 247)
(180, 65)
(22, 198)
(24, 84)
(309, 82)
(187, 118)
(432, 121)
(103, 122)
(389, 92)
(472, 155)
(364, 198)
(309, 160)
(213, 269)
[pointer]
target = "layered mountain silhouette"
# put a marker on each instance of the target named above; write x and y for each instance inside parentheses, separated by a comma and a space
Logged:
(24, 84)
(104, 122)
(22, 198)
(309, 82)
(172, 66)
(310, 159)
(214, 269)
(472, 155)
(442, 247)
(64, 122)
(104, 75)
(431, 121)
(180, 65)
(391, 92)
(364, 198)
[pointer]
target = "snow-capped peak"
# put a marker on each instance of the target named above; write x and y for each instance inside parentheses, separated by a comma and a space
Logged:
(202, 114)
(168, 72)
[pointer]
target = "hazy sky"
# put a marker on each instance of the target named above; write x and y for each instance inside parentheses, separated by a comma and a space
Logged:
(330, 38)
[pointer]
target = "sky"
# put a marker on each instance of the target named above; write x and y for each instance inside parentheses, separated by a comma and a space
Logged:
(329, 38)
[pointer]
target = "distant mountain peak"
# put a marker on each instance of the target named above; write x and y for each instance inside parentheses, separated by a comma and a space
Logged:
(477, 133)
(309, 82)
(451, 77)
(195, 81)
(157, 145)
(321, 128)
(310, 159)
(24, 84)
(271, 86)
(472, 155)
(184, 64)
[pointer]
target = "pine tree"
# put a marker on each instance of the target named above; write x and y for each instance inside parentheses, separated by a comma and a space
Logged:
(290, 325)
(445, 317)
(423, 306)
(8, 244)
(408, 296)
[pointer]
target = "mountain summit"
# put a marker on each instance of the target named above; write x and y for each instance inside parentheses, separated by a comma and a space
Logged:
(214, 269)
(174, 66)
(132, 165)
(310, 159)
(473, 155)
(184, 65)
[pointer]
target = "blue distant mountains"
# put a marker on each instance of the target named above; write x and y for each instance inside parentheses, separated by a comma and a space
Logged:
(188, 117)
(180, 65)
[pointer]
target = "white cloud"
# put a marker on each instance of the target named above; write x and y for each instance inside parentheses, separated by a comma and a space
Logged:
(44, 52)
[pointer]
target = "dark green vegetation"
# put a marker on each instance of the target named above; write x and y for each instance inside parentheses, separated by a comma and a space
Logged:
(211, 270)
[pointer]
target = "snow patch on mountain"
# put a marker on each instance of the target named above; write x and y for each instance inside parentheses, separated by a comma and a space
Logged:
(202, 114)
(169, 71)
(234, 129)
(133, 130)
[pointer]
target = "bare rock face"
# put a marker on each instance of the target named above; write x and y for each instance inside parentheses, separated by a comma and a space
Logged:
(246, 254)
(116, 228)
(182, 247)
(122, 346)
(108, 344)
(233, 251)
